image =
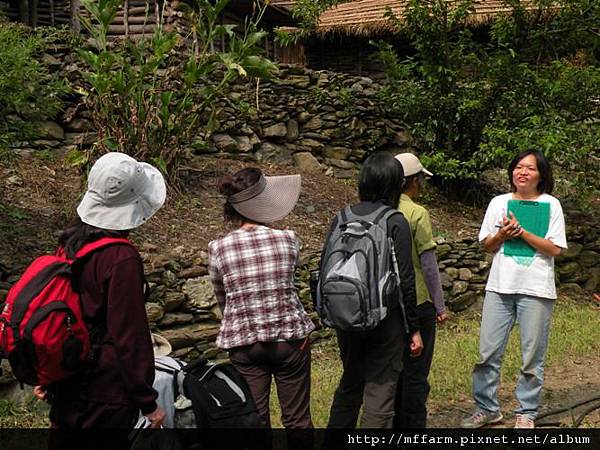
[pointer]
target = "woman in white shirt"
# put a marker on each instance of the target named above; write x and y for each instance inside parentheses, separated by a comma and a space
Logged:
(520, 288)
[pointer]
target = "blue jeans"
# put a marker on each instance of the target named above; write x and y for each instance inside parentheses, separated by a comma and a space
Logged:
(499, 314)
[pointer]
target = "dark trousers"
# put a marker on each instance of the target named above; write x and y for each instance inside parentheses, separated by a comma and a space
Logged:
(372, 362)
(289, 363)
(413, 387)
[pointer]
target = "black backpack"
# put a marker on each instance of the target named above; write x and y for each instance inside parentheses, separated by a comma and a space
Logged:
(220, 396)
(220, 399)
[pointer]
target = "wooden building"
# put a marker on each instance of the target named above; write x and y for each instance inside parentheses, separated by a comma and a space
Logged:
(341, 40)
(139, 18)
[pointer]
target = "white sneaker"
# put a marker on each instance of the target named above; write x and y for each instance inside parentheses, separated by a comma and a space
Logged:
(524, 421)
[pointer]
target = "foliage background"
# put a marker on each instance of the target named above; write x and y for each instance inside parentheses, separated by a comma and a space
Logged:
(471, 101)
(153, 98)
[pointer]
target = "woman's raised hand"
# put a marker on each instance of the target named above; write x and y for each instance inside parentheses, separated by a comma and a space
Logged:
(511, 228)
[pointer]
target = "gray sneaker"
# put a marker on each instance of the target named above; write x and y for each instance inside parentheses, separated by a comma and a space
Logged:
(481, 418)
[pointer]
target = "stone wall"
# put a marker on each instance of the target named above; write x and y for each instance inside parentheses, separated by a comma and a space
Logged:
(464, 266)
(579, 267)
(319, 120)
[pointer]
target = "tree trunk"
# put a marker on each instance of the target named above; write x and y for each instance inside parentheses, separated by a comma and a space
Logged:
(51, 12)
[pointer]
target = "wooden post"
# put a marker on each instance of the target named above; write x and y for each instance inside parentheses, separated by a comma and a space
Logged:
(51, 12)
(360, 56)
(75, 24)
(126, 17)
(23, 14)
(33, 13)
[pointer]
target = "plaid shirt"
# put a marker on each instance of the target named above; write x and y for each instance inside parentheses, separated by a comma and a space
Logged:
(252, 272)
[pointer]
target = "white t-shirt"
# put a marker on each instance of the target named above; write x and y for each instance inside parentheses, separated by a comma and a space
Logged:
(508, 274)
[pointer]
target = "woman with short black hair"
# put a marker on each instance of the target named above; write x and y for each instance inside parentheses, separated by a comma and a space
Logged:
(372, 359)
(545, 183)
(520, 287)
(381, 180)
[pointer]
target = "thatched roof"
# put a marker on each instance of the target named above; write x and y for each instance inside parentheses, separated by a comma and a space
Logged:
(367, 17)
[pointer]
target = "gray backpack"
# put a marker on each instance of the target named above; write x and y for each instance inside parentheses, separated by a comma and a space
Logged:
(359, 281)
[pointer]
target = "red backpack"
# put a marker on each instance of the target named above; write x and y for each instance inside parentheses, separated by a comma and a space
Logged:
(42, 331)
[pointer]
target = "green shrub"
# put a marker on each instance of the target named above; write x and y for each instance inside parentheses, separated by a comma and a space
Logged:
(472, 103)
(28, 92)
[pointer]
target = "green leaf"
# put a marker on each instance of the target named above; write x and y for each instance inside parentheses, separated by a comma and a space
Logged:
(76, 158)
(257, 66)
(254, 38)
(160, 163)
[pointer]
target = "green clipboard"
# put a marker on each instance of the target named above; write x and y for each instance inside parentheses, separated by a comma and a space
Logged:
(533, 217)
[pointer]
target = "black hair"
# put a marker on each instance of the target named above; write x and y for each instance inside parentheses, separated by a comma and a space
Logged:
(409, 179)
(546, 183)
(77, 234)
(232, 184)
(381, 179)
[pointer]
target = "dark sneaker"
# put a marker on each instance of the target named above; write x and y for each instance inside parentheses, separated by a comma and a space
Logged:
(481, 418)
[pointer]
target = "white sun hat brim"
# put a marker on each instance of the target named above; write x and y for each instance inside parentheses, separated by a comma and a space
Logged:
(160, 345)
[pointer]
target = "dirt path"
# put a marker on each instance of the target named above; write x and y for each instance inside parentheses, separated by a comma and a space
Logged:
(566, 384)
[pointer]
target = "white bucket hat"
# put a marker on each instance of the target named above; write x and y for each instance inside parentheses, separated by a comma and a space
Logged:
(122, 193)
(160, 345)
(268, 200)
(411, 164)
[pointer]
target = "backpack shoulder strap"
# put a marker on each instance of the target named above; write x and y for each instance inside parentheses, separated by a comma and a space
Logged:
(384, 213)
(83, 254)
(88, 249)
(378, 215)
(344, 214)
(35, 286)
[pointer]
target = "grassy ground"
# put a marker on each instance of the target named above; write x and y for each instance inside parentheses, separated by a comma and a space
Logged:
(33, 414)
(574, 333)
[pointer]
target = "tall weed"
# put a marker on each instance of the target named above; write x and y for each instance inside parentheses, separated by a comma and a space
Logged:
(151, 97)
